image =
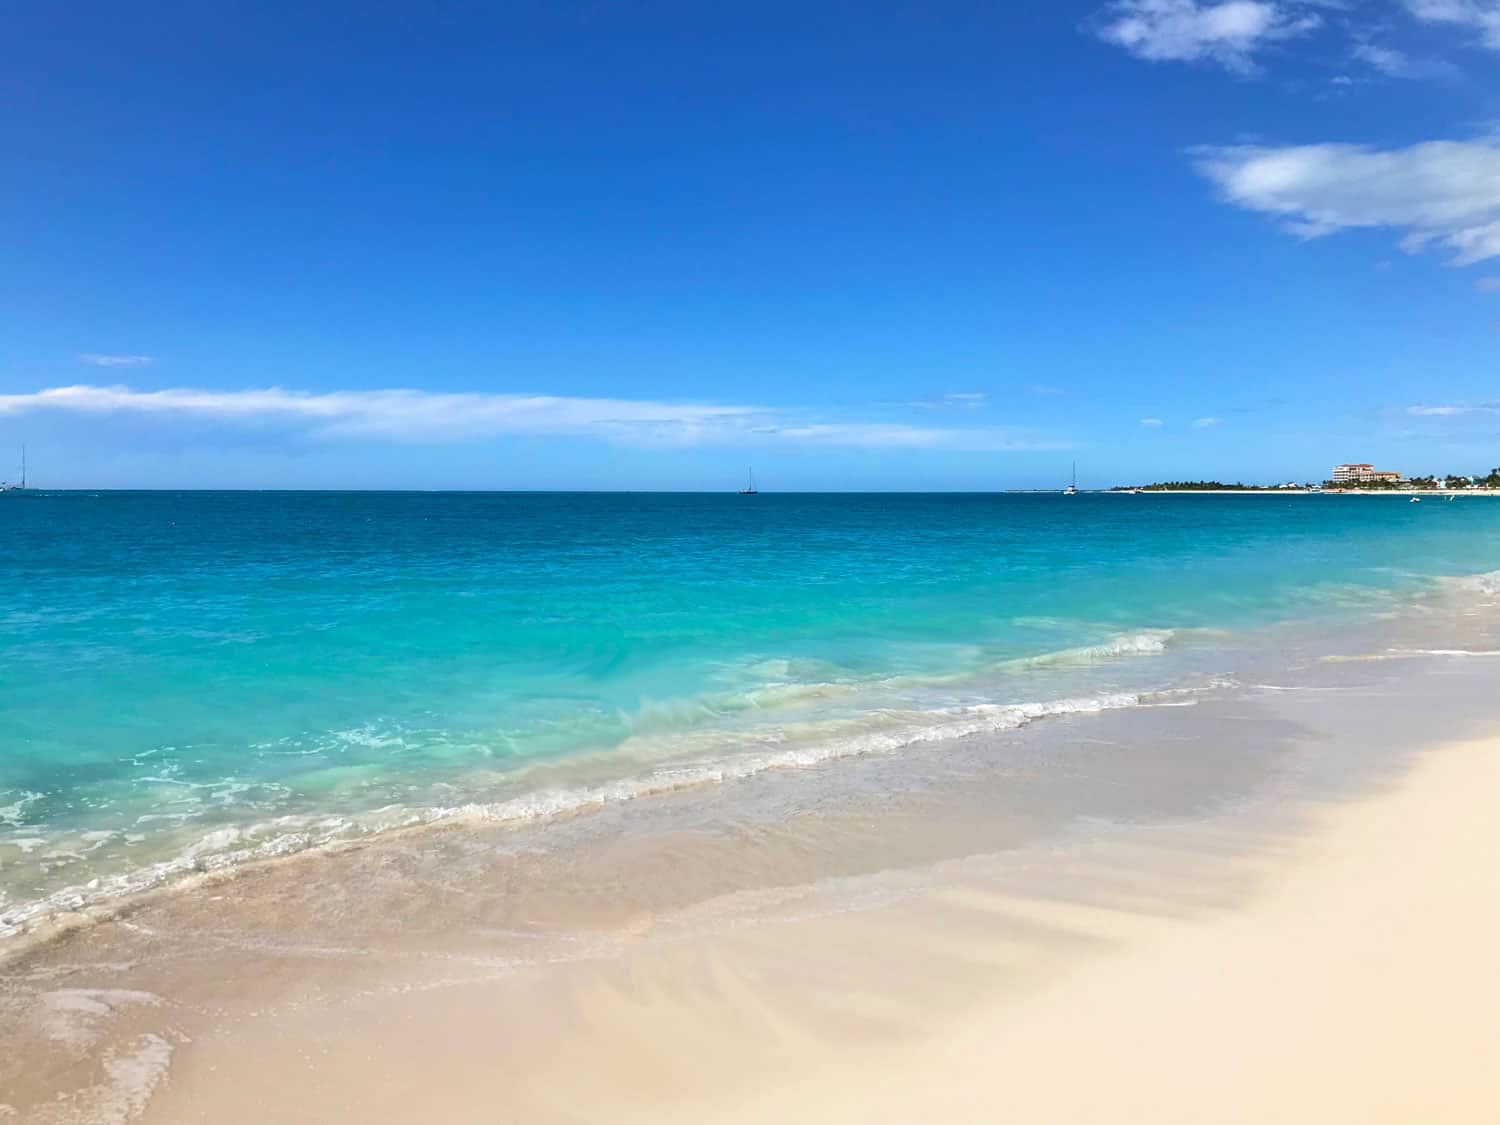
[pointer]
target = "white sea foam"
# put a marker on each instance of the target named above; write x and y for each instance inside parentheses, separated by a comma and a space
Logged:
(1452, 652)
(133, 1076)
(132, 1073)
(1293, 687)
(1487, 583)
(12, 813)
(368, 737)
(77, 1017)
(1405, 654)
(1147, 642)
(882, 732)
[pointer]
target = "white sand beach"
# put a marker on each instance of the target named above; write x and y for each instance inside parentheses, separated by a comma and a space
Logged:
(1360, 985)
(1342, 973)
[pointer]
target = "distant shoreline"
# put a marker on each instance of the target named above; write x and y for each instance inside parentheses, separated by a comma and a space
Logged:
(1420, 492)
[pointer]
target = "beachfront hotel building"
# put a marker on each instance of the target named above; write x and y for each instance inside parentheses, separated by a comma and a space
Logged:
(1362, 474)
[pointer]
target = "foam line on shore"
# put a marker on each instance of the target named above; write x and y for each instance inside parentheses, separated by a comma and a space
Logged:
(225, 849)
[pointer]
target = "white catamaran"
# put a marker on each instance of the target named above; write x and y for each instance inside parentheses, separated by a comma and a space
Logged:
(1072, 489)
(6, 486)
(750, 489)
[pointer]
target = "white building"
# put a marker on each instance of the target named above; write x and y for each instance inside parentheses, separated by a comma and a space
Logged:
(1362, 473)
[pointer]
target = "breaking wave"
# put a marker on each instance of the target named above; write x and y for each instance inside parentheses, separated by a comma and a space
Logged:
(1148, 642)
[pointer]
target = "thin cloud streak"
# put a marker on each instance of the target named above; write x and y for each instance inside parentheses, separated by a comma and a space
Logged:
(1451, 410)
(958, 400)
(423, 416)
(96, 359)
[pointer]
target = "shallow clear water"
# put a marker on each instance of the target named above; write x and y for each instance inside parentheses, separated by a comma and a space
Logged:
(195, 678)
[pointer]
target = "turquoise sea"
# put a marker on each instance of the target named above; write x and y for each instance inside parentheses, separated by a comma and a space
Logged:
(190, 680)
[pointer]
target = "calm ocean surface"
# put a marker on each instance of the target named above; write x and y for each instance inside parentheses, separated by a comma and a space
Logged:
(189, 680)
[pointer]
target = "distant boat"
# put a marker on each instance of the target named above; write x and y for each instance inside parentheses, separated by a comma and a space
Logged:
(1072, 489)
(1416, 499)
(5, 487)
(750, 489)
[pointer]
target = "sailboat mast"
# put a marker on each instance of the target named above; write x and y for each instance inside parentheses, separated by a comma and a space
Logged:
(23, 465)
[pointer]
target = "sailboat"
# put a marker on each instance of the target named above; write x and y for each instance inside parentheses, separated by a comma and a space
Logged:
(750, 489)
(1072, 489)
(7, 487)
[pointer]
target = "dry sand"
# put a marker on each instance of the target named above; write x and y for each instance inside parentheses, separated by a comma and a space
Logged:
(1346, 971)
(1361, 986)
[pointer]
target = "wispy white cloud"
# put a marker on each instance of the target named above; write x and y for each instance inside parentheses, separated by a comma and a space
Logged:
(1204, 423)
(1235, 34)
(861, 433)
(1228, 33)
(425, 416)
(1153, 423)
(407, 414)
(959, 400)
(1442, 194)
(1481, 16)
(95, 359)
(1387, 60)
(1394, 63)
(1451, 410)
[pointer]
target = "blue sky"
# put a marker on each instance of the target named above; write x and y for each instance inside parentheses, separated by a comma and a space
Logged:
(885, 245)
